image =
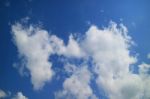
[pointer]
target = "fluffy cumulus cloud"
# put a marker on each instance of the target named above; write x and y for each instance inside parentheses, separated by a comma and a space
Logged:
(35, 45)
(77, 85)
(19, 95)
(72, 49)
(109, 51)
(109, 48)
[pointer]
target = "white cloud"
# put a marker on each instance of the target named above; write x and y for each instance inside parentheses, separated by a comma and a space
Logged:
(33, 45)
(36, 46)
(2, 94)
(19, 95)
(77, 86)
(72, 49)
(109, 49)
(144, 70)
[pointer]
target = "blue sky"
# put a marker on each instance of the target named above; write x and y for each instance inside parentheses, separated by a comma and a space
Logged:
(73, 22)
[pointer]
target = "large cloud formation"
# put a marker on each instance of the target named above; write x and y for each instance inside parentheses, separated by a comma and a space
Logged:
(35, 45)
(109, 50)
